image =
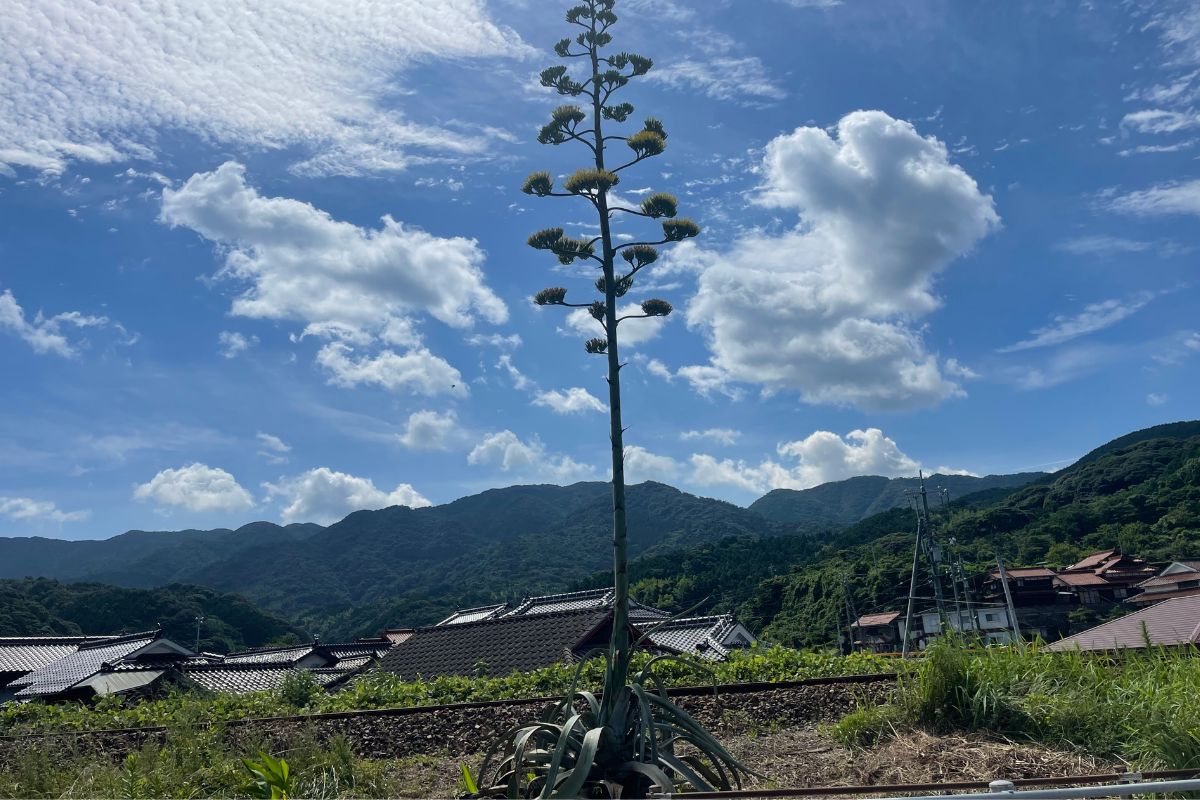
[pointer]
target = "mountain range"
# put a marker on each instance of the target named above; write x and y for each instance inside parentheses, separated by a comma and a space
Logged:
(403, 566)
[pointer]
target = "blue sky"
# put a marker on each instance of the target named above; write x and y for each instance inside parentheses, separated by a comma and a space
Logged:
(260, 263)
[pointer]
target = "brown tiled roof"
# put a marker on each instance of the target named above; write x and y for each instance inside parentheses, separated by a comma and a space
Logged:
(1175, 577)
(1082, 579)
(1172, 622)
(498, 646)
(1158, 597)
(1024, 572)
(886, 618)
(1094, 561)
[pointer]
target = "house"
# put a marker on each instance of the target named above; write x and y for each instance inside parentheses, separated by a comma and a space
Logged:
(1177, 579)
(710, 638)
(315, 655)
(247, 677)
(500, 645)
(552, 603)
(1089, 589)
(991, 622)
(878, 633)
(98, 667)
(1174, 622)
(1120, 571)
(20, 655)
(1029, 586)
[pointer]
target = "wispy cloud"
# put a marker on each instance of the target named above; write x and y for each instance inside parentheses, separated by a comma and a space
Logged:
(1093, 317)
(1164, 199)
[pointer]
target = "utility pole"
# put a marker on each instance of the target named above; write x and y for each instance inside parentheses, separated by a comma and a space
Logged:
(925, 545)
(1012, 612)
(851, 614)
(199, 622)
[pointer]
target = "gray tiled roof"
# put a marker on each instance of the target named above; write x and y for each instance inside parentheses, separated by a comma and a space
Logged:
(475, 614)
(699, 636)
(270, 655)
(64, 673)
(577, 601)
(1172, 622)
(355, 650)
(250, 677)
(499, 646)
(27, 653)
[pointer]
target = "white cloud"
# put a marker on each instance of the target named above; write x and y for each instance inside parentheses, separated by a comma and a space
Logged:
(659, 370)
(827, 308)
(575, 400)
(324, 496)
(233, 343)
(195, 487)
(506, 451)
(1153, 399)
(1094, 317)
(1159, 120)
(642, 465)
(272, 448)
(1178, 197)
(26, 508)
(417, 371)
(1102, 245)
(520, 382)
(46, 334)
(510, 342)
(98, 81)
(631, 333)
(820, 458)
(297, 262)
(722, 78)
(429, 430)
(726, 436)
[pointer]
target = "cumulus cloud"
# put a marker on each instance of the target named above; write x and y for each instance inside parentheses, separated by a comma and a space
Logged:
(417, 371)
(272, 448)
(1094, 317)
(819, 458)
(49, 334)
(1164, 199)
(233, 343)
(726, 436)
(324, 496)
(430, 430)
(195, 487)
(827, 308)
(642, 465)
(98, 81)
(575, 400)
(26, 508)
(530, 459)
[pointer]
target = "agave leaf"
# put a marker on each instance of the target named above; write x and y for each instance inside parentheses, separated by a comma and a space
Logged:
(559, 751)
(698, 734)
(468, 781)
(574, 779)
(660, 778)
(689, 775)
(706, 771)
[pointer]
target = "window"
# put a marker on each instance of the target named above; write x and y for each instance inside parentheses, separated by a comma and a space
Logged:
(989, 617)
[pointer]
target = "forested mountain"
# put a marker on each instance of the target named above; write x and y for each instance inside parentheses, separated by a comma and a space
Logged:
(846, 502)
(400, 565)
(43, 607)
(1141, 492)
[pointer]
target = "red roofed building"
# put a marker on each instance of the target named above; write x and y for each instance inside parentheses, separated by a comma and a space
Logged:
(879, 633)
(1178, 579)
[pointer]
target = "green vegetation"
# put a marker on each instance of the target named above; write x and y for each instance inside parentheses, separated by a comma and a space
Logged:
(41, 607)
(384, 690)
(1139, 707)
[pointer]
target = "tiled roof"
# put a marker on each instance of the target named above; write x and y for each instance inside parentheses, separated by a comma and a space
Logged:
(1191, 574)
(1082, 579)
(64, 673)
(270, 655)
(578, 601)
(353, 650)
(498, 646)
(1158, 597)
(244, 678)
(27, 653)
(1024, 572)
(474, 614)
(886, 618)
(1172, 622)
(1094, 561)
(699, 636)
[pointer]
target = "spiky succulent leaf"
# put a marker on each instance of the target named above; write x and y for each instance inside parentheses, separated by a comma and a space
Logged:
(596, 346)
(618, 113)
(676, 230)
(554, 296)
(646, 143)
(591, 181)
(597, 310)
(652, 124)
(546, 239)
(660, 204)
(539, 183)
(639, 255)
(656, 307)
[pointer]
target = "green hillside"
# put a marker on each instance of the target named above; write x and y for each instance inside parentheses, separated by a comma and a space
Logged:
(848, 501)
(42, 607)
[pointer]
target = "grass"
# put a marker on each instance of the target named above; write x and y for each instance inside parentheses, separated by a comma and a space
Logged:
(384, 690)
(1140, 707)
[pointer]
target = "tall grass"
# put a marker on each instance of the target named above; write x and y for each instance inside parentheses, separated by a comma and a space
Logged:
(1143, 706)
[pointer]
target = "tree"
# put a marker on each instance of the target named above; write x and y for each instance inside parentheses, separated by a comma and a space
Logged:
(625, 741)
